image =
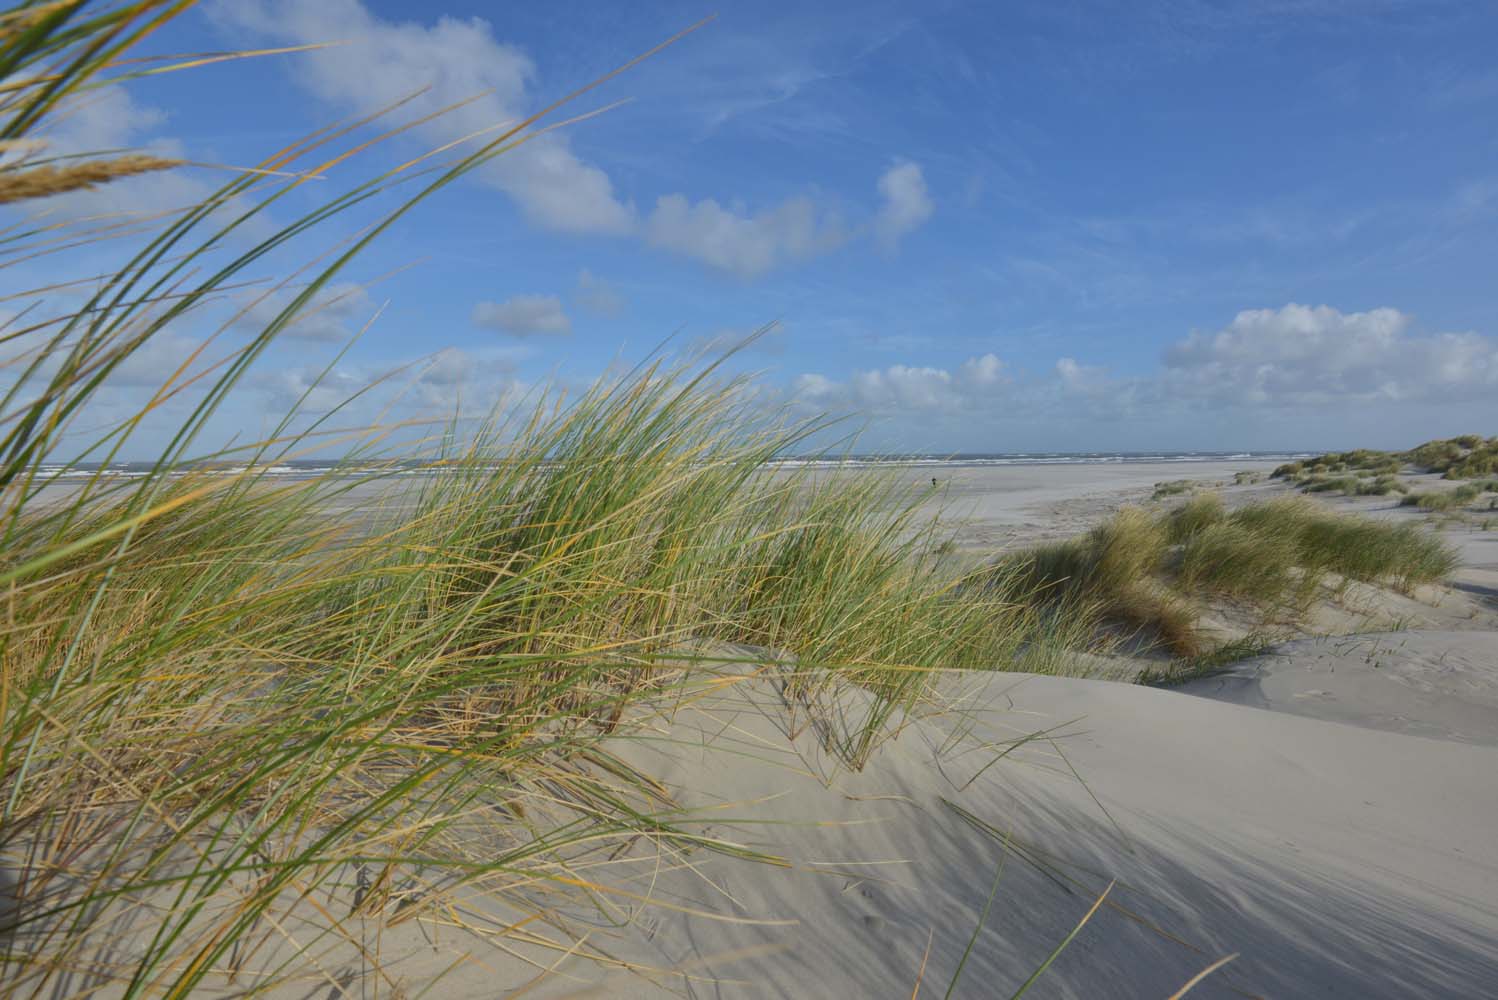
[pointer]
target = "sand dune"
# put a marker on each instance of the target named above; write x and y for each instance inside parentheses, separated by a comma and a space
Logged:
(1340, 843)
(1431, 683)
(1333, 860)
(1325, 813)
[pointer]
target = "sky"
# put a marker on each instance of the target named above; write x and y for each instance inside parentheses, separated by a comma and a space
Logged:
(977, 227)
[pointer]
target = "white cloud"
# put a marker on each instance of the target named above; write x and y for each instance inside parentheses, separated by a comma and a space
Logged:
(904, 389)
(1078, 378)
(107, 118)
(905, 204)
(597, 296)
(159, 358)
(1301, 354)
(1295, 376)
(745, 245)
(315, 390)
(382, 62)
(523, 315)
(987, 370)
(148, 365)
(450, 382)
(332, 315)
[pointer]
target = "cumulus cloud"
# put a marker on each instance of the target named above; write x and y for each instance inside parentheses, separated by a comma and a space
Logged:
(1271, 377)
(451, 381)
(749, 245)
(1079, 379)
(149, 365)
(315, 390)
(905, 388)
(905, 204)
(1304, 354)
(987, 370)
(597, 296)
(453, 60)
(523, 315)
(740, 243)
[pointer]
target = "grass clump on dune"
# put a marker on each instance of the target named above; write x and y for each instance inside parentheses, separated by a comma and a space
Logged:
(1340, 484)
(423, 697)
(1152, 572)
(1235, 560)
(1356, 548)
(1382, 485)
(1466, 457)
(1443, 500)
(1113, 571)
(1193, 516)
(1173, 488)
(1364, 485)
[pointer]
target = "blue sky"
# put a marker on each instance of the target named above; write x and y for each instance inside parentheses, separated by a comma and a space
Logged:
(981, 227)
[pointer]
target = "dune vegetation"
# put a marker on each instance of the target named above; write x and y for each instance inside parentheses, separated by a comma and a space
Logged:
(222, 698)
(1148, 574)
(1174, 488)
(1450, 499)
(1470, 456)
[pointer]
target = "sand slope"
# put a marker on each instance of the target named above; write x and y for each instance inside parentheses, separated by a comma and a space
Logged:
(1440, 684)
(1337, 861)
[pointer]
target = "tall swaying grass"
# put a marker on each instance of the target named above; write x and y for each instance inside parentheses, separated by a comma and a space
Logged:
(268, 697)
(236, 719)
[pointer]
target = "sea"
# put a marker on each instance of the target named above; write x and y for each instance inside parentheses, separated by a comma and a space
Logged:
(319, 468)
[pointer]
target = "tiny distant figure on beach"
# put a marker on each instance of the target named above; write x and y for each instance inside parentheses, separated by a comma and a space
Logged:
(933, 480)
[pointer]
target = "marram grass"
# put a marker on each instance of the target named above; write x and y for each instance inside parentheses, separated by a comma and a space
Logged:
(277, 693)
(1150, 573)
(237, 722)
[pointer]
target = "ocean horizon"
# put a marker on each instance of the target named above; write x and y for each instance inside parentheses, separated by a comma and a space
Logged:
(314, 468)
